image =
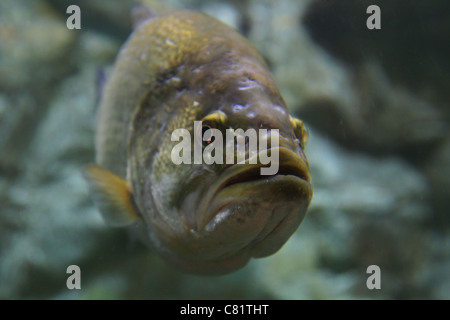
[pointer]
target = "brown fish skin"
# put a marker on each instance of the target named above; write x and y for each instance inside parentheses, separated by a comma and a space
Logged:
(207, 219)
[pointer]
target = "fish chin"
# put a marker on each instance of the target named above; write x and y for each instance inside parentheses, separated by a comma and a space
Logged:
(258, 215)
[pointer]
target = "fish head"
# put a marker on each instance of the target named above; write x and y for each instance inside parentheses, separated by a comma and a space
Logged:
(233, 199)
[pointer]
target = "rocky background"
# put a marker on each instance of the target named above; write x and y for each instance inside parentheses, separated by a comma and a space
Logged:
(376, 103)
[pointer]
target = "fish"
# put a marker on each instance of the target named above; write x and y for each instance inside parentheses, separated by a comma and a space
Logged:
(175, 70)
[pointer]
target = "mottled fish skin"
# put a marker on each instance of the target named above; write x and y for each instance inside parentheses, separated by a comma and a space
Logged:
(173, 70)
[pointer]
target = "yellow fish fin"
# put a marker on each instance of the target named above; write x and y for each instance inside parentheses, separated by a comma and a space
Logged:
(112, 195)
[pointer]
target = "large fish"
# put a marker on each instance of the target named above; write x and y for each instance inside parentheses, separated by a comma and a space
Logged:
(175, 69)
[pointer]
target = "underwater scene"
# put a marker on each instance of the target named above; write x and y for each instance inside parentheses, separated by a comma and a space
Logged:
(99, 198)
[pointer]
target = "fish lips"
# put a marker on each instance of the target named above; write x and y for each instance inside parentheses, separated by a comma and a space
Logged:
(246, 214)
(245, 179)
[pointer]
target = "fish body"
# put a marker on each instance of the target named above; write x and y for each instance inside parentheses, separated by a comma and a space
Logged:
(176, 69)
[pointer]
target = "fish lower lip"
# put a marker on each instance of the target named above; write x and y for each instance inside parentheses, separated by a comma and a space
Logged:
(244, 220)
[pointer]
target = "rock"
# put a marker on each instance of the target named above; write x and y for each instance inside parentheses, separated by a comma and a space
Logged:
(437, 169)
(436, 278)
(48, 202)
(382, 119)
(401, 103)
(302, 69)
(225, 12)
(47, 221)
(112, 17)
(408, 45)
(33, 48)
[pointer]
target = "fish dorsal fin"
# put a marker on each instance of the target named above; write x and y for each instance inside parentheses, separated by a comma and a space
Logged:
(140, 14)
(112, 195)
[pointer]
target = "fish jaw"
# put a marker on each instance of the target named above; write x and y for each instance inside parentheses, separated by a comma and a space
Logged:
(241, 218)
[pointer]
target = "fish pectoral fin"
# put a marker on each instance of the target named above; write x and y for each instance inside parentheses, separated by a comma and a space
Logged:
(112, 195)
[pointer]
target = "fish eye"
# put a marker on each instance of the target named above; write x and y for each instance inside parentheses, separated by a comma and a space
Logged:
(206, 139)
(300, 131)
(215, 120)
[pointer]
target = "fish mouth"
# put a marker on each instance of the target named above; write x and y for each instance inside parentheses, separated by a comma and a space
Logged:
(290, 164)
